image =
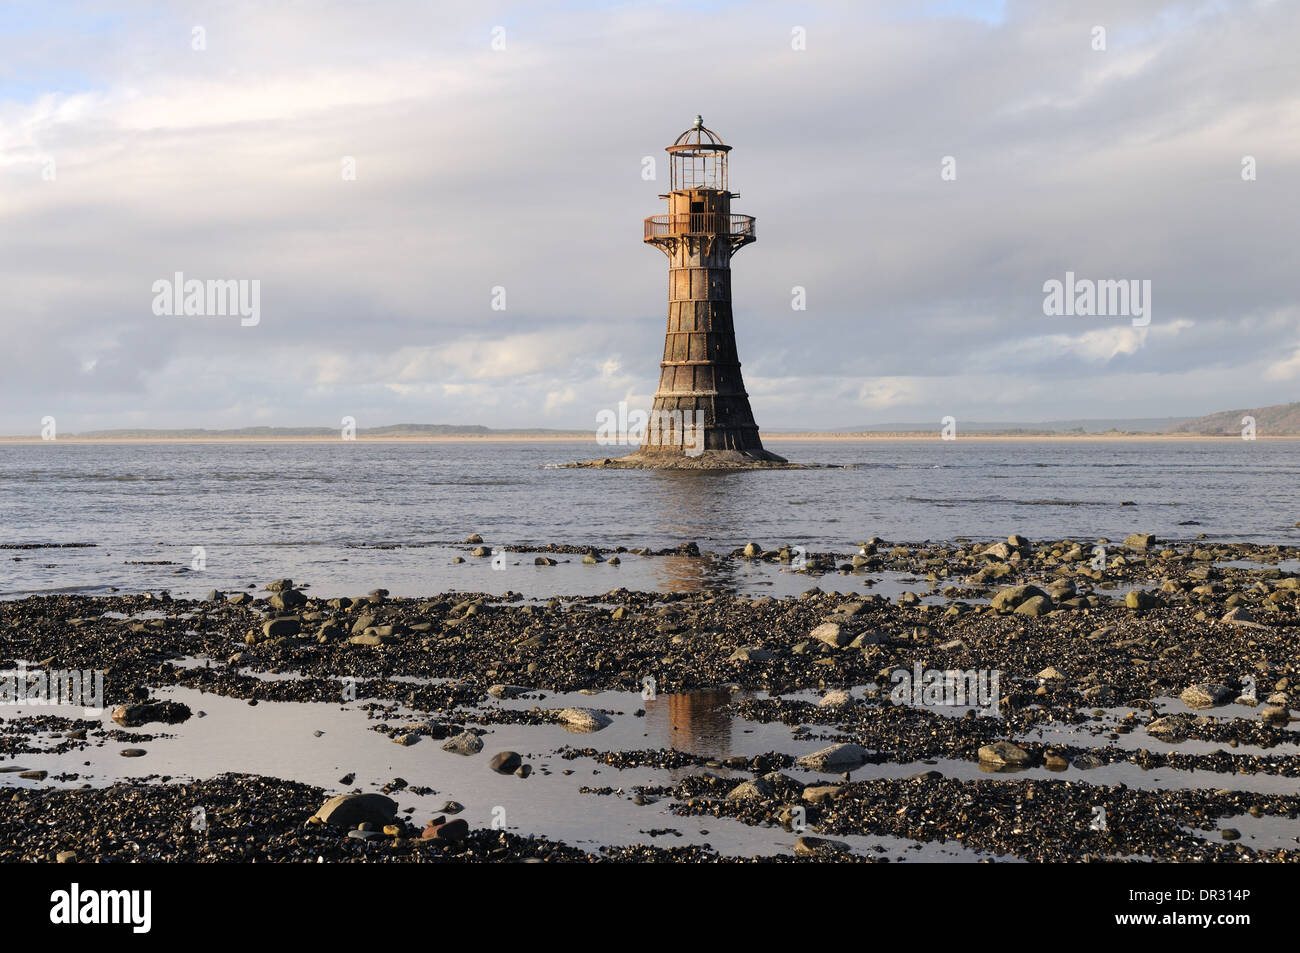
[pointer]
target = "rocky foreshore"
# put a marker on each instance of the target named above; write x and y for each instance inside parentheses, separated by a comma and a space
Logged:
(1174, 661)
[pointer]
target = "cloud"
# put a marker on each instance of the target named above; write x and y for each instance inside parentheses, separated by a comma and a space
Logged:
(478, 169)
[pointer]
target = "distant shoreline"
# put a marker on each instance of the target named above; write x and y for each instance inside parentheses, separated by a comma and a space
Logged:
(866, 437)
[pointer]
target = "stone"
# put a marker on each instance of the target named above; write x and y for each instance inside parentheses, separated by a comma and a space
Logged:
(1035, 606)
(473, 538)
(1138, 599)
(1000, 551)
(466, 743)
(278, 628)
(754, 789)
(835, 699)
(816, 793)
(132, 752)
(1206, 695)
(132, 716)
(753, 549)
(1171, 728)
(583, 719)
(287, 600)
(66, 857)
(1007, 599)
(441, 829)
(1140, 542)
(544, 561)
(452, 807)
(750, 653)
(33, 775)
(507, 691)
(350, 810)
(1003, 752)
(836, 758)
(1275, 713)
(807, 846)
(505, 762)
(832, 634)
(280, 585)
(1050, 674)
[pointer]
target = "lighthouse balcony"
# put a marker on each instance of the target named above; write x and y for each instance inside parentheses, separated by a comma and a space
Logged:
(739, 227)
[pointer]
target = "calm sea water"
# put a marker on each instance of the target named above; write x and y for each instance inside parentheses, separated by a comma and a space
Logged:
(348, 517)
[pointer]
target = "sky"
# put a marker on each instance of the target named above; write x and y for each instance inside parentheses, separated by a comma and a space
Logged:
(920, 170)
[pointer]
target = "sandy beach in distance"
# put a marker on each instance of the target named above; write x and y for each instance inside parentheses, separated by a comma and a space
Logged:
(773, 438)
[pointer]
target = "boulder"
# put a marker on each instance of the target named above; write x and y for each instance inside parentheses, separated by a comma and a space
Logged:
(1206, 695)
(349, 810)
(583, 719)
(836, 758)
(1003, 752)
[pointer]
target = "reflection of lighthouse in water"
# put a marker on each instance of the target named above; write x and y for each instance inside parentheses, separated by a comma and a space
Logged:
(694, 722)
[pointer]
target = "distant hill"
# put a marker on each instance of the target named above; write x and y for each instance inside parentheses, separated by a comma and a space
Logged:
(1094, 425)
(1276, 421)
(254, 433)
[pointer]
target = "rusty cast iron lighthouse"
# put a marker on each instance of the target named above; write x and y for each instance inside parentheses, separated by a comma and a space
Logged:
(701, 416)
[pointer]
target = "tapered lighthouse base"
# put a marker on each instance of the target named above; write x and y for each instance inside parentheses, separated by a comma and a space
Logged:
(657, 459)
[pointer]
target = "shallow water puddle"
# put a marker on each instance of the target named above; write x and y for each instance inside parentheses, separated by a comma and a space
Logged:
(320, 743)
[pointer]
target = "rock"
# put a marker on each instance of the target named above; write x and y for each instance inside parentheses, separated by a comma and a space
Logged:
(836, 758)
(452, 807)
(507, 691)
(1054, 762)
(753, 549)
(371, 639)
(240, 599)
(33, 775)
(583, 719)
(442, 829)
(287, 600)
(466, 743)
(1138, 599)
(506, 762)
(406, 740)
(807, 846)
(1171, 728)
(170, 713)
(132, 752)
(280, 585)
(1050, 674)
(278, 628)
(1140, 542)
(816, 793)
(523, 771)
(349, 810)
(832, 634)
(1206, 695)
(1000, 551)
(1035, 606)
(66, 857)
(1013, 596)
(544, 561)
(1003, 752)
(750, 653)
(1230, 833)
(473, 538)
(1275, 713)
(835, 699)
(754, 789)
(481, 551)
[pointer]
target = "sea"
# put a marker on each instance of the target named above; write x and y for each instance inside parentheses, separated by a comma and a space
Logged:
(348, 517)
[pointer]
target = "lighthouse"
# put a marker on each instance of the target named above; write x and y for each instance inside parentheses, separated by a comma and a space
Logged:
(701, 416)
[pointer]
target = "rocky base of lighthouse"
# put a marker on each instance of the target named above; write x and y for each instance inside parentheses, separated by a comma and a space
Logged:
(673, 459)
